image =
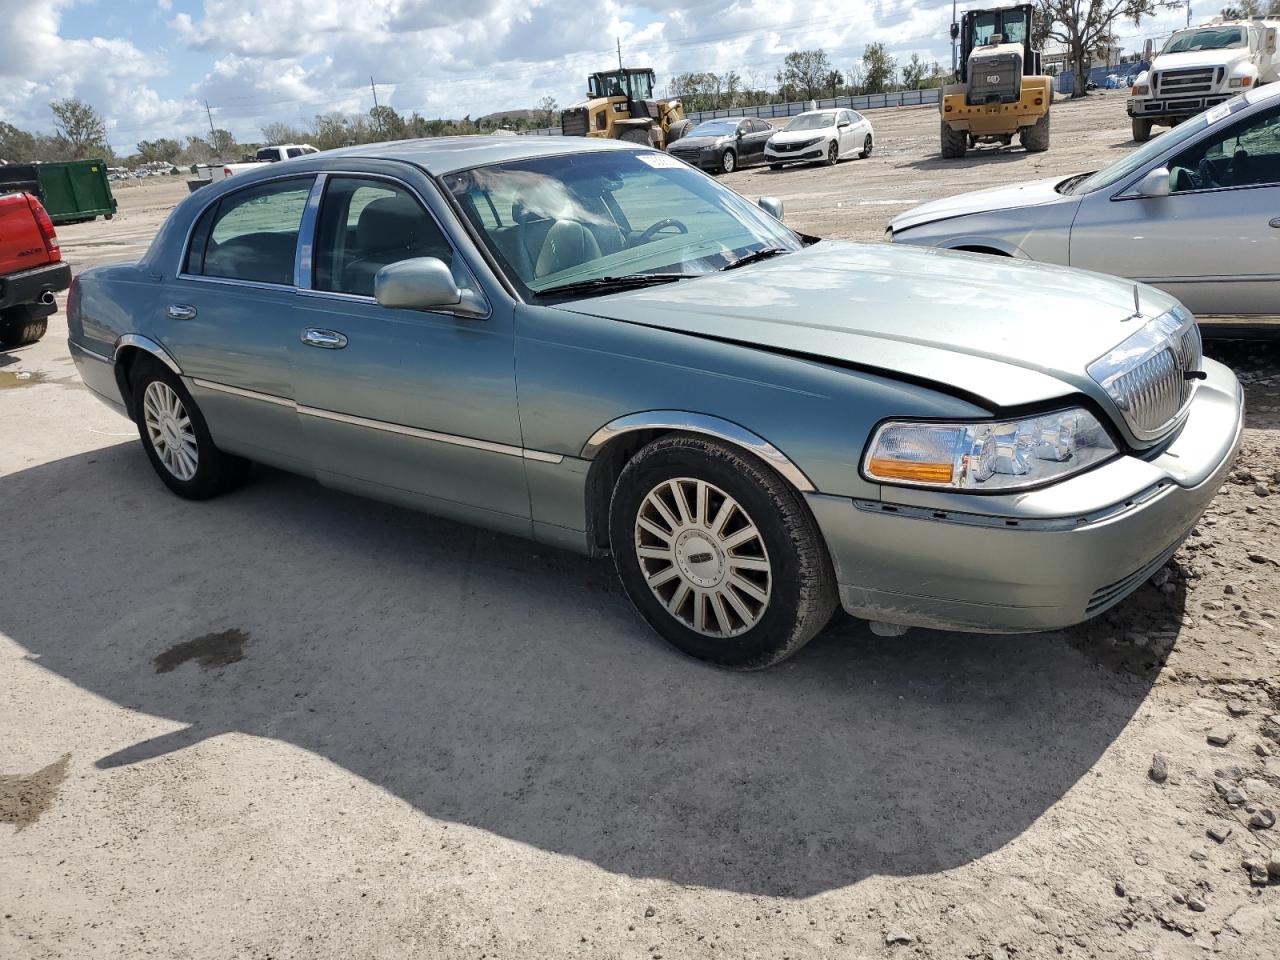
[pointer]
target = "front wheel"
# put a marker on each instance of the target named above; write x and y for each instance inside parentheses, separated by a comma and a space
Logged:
(867, 145)
(728, 161)
(833, 154)
(718, 554)
(775, 166)
(1141, 129)
(176, 437)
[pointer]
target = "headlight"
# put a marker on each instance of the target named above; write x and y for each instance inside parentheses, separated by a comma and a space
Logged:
(1140, 89)
(987, 455)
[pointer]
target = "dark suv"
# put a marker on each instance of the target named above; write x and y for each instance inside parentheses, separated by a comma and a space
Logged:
(31, 269)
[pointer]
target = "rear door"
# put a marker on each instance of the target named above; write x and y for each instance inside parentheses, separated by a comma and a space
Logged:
(410, 405)
(1214, 242)
(758, 132)
(227, 317)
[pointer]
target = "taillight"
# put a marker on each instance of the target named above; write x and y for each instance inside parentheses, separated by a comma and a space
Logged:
(50, 235)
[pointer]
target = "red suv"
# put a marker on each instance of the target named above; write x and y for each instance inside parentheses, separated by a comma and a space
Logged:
(31, 269)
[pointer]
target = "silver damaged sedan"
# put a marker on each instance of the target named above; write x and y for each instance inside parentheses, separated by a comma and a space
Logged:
(1195, 211)
(593, 345)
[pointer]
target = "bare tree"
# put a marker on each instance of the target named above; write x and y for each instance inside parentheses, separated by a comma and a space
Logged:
(548, 111)
(80, 128)
(1087, 27)
(913, 72)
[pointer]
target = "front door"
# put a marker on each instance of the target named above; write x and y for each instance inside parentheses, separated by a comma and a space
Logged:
(227, 318)
(409, 405)
(1214, 241)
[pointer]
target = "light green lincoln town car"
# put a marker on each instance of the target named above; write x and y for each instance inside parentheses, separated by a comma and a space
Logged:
(593, 345)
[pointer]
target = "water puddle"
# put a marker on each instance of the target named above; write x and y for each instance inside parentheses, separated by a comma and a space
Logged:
(22, 378)
(211, 650)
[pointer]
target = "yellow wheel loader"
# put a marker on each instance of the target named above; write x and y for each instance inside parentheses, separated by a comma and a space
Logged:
(620, 105)
(1001, 90)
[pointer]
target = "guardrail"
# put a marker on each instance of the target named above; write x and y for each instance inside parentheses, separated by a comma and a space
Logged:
(768, 111)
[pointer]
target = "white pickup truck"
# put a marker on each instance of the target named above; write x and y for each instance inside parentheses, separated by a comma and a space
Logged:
(1199, 67)
(213, 172)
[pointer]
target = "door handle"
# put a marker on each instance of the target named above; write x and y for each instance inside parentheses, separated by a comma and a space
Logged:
(181, 311)
(1275, 222)
(327, 339)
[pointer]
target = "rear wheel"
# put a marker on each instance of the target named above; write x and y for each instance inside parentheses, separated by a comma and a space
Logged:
(867, 144)
(678, 130)
(176, 437)
(1035, 138)
(718, 554)
(1141, 129)
(954, 142)
(833, 154)
(635, 135)
(728, 161)
(18, 327)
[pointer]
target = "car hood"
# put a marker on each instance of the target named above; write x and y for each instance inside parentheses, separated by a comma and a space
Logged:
(1004, 331)
(1200, 58)
(1030, 194)
(702, 141)
(799, 136)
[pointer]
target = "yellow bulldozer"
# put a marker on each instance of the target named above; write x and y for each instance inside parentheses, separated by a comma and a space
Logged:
(1000, 89)
(620, 105)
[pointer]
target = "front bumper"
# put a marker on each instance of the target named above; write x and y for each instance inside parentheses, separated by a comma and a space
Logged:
(26, 287)
(816, 152)
(1041, 560)
(1168, 108)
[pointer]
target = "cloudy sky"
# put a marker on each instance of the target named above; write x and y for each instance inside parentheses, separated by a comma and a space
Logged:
(150, 65)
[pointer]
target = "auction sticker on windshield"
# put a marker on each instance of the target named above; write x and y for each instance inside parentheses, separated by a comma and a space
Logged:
(1218, 112)
(660, 160)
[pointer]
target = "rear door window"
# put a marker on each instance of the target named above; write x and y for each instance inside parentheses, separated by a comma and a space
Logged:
(252, 234)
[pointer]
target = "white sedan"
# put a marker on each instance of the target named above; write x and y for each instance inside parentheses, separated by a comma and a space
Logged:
(822, 136)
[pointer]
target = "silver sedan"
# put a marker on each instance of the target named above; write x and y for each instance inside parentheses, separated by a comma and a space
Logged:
(1195, 211)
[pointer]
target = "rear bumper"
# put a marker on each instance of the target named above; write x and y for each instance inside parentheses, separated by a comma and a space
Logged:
(28, 286)
(98, 373)
(1045, 559)
(1170, 108)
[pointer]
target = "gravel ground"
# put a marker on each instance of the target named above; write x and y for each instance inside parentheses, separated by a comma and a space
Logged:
(291, 723)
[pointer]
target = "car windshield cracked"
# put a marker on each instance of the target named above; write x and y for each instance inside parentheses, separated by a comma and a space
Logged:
(596, 222)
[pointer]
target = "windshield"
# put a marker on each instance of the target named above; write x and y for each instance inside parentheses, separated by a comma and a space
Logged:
(555, 221)
(1208, 39)
(1011, 24)
(637, 86)
(812, 121)
(714, 128)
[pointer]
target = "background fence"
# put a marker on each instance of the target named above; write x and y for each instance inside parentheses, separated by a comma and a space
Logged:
(767, 111)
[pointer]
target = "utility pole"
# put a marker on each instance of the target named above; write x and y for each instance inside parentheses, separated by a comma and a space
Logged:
(953, 36)
(1188, 13)
(209, 113)
(374, 87)
(619, 53)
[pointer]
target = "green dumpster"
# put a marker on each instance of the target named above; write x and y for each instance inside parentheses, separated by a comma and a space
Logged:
(75, 190)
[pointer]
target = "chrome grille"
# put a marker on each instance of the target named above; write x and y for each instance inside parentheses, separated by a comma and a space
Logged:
(1147, 375)
(1191, 80)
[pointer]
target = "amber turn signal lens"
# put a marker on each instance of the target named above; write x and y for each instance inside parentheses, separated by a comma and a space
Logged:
(888, 469)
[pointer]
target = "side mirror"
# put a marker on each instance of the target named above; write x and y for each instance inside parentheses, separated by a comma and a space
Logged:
(772, 206)
(843, 123)
(955, 30)
(423, 283)
(1155, 183)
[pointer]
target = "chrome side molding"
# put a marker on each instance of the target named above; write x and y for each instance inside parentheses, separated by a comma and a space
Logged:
(700, 423)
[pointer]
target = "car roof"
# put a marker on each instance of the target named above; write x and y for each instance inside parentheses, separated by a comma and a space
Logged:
(441, 155)
(1267, 91)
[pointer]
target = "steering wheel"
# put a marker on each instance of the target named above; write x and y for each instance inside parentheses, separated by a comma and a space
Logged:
(651, 231)
(1205, 172)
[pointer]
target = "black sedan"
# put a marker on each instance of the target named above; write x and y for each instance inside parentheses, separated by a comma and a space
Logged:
(722, 146)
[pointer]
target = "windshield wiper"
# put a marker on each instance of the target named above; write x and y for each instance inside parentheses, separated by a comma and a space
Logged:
(606, 284)
(1069, 184)
(754, 257)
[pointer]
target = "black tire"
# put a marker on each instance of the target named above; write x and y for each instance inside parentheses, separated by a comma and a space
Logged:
(801, 584)
(833, 154)
(678, 130)
(867, 146)
(728, 162)
(775, 166)
(1035, 138)
(635, 135)
(1141, 129)
(215, 472)
(955, 143)
(18, 327)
